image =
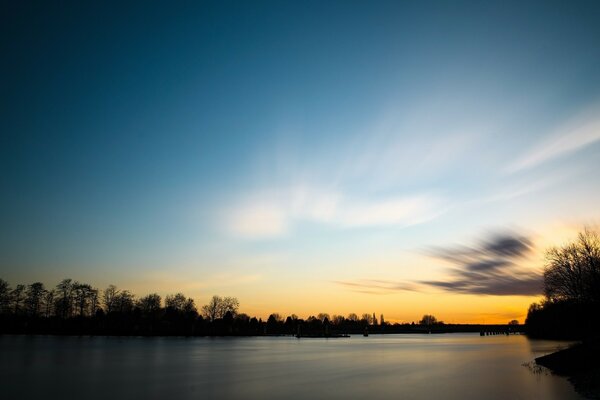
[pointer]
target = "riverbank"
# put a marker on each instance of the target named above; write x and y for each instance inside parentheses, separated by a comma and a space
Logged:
(580, 363)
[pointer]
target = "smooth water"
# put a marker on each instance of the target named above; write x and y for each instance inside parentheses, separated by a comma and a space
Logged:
(445, 366)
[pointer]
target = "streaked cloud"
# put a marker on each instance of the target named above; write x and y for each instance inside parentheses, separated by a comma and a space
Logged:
(489, 268)
(579, 133)
(376, 286)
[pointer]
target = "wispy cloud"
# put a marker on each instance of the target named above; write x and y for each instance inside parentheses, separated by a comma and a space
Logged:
(575, 135)
(267, 217)
(258, 219)
(273, 213)
(490, 268)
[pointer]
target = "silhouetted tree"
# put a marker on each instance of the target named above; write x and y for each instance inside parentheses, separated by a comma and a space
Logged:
(189, 307)
(17, 297)
(176, 302)
(572, 272)
(572, 290)
(323, 316)
(4, 296)
(218, 306)
(428, 320)
(124, 302)
(150, 304)
(513, 322)
(85, 298)
(274, 323)
(48, 303)
(110, 298)
(352, 317)
(64, 300)
(94, 301)
(34, 298)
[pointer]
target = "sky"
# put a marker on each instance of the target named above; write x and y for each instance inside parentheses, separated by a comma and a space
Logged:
(400, 158)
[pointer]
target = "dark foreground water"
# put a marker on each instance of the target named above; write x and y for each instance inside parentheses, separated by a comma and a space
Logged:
(448, 366)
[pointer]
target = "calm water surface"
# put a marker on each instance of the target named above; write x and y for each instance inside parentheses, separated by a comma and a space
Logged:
(452, 366)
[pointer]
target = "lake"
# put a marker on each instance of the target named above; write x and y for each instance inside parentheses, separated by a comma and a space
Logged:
(452, 366)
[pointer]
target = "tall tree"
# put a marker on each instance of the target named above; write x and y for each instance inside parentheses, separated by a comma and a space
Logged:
(4, 296)
(64, 300)
(17, 296)
(34, 298)
(49, 302)
(82, 294)
(109, 298)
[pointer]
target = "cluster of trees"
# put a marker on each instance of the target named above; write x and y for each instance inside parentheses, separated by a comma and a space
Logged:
(73, 307)
(66, 300)
(74, 299)
(571, 289)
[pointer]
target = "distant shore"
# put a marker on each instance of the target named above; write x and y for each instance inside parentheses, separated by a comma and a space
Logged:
(102, 327)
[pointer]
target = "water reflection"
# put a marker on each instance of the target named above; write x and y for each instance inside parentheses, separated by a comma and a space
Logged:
(464, 366)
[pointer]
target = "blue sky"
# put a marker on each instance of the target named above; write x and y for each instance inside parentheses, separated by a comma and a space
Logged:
(242, 146)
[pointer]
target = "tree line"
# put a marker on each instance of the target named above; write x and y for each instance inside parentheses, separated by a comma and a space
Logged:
(73, 307)
(571, 301)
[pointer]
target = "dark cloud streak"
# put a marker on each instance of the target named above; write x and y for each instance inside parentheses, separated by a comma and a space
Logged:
(490, 268)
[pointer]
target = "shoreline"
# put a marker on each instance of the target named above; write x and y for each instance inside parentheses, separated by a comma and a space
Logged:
(580, 363)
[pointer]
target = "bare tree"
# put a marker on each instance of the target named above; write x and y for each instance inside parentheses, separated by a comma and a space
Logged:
(109, 298)
(367, 319)
(572, 272)
(231, 305)
(176, 301)
(352, 317)
(217, 307)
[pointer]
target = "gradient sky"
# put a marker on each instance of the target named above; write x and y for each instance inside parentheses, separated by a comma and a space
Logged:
(399, 158)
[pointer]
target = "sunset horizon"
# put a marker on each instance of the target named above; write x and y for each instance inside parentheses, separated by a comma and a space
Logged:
(391, 158)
